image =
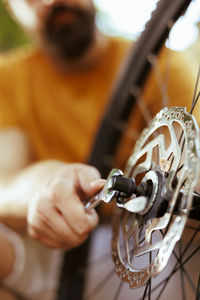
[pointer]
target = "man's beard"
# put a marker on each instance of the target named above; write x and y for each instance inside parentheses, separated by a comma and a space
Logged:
(70, 40)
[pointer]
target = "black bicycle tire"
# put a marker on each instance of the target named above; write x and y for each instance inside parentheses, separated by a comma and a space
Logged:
(122, 102)
(132, 79)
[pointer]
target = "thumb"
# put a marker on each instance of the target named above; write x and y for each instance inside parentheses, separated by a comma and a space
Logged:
(88, 181)
(95, 186)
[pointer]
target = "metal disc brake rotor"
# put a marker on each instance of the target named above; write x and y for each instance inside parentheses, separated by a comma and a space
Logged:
(167, 157)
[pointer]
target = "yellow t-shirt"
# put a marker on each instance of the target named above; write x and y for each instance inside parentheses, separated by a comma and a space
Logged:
(61, 112)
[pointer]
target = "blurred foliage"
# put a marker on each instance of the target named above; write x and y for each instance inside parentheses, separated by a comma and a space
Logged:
(11, 35)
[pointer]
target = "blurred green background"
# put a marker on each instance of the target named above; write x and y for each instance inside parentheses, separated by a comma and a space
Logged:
(10, 35)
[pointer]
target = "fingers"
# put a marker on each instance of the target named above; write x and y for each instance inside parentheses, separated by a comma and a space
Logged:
(46, 240)
(95, 186)
(73, 210)
(86, 173)
(56, 214)
(84, 176)
(51, 229)
(60, 220)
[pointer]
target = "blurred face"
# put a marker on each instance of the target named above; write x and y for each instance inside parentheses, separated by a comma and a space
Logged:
(65, 28)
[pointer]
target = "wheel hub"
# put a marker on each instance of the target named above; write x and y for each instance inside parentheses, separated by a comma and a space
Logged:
(166, 160)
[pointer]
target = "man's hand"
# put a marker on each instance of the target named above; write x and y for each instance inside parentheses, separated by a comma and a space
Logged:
(50, 196)
(56, 214)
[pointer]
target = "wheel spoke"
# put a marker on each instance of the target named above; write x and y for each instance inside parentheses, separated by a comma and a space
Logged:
(193, 228)
(191, 240)
(116, 296)
(147, 287)
(181, 260)
(198, 289)
(132, 134)
(190, 280)
(144, 109)
(175, 269)
(100, 284)
(182, 270)
(192, 254)
(149, 292)
(106, 278)
(195, 96)
(182, 148)
(159, 78)
(166, 100)
(195, 102)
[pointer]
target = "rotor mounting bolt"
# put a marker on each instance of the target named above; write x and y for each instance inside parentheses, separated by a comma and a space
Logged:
(123, 185)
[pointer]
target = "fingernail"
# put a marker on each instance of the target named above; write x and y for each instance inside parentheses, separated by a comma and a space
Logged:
(97, 182)
(92, 183)
(93, 216)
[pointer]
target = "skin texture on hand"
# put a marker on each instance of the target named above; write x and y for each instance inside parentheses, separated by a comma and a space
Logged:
(56, 215)
(48, 198)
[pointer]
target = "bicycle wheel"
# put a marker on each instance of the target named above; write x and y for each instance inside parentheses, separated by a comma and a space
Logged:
(132, 80)
(108, 139)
